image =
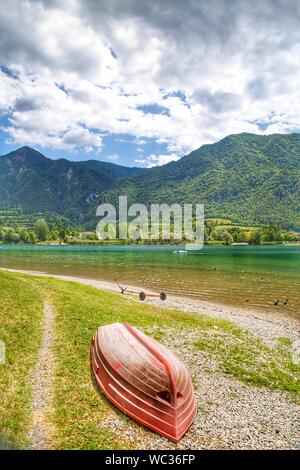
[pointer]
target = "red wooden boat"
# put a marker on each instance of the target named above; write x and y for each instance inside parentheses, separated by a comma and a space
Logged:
(144, 379)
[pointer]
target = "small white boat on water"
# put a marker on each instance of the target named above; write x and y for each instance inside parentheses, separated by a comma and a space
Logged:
(180, 252)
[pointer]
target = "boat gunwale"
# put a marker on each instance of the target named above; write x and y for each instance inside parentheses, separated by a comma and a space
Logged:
(175, 418)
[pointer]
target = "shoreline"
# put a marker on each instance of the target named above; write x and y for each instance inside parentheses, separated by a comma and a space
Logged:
(268, 326)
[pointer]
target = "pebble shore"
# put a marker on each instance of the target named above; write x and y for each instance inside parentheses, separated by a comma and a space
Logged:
(231, 414)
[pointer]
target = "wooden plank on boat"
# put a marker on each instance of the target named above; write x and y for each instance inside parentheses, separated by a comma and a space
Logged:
(144, 379)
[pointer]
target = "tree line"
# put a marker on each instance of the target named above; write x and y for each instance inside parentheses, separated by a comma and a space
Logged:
(234, 234)
(213, 233)
(39, 233)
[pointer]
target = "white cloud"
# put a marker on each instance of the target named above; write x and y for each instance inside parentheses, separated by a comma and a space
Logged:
(81, 69)
(81, 137)
(156, 160)
(114, 157)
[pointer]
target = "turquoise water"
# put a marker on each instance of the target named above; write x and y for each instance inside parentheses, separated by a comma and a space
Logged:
(254, 276)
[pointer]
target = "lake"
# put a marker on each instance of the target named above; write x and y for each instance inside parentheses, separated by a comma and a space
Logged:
(230, 275)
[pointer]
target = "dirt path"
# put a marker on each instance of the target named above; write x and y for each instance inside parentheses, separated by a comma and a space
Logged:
(231, 415)
(41, 429)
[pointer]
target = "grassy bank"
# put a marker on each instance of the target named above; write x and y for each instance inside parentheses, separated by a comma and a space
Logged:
(79, 410)
(20, 330)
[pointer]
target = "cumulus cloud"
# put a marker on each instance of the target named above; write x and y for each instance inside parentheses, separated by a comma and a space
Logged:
(76, 70)
(81, 137)
(113, 158)
(156, 160)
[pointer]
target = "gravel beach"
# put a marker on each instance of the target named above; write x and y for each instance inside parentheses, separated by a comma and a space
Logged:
(231, 414)
(267, 325)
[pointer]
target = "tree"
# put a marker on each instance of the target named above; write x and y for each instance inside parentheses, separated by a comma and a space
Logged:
(62, 234)
(41, 229)
(221, 234)
(11, 236)
(32, 237)
(237, 234)
(24, 236)
(272, 233)
(255, 237)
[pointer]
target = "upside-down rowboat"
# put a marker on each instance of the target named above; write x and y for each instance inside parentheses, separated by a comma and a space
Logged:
(144, 379)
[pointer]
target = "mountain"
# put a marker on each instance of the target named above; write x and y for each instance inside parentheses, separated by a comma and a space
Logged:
(38, 184)
(112, 170)
(246, 177)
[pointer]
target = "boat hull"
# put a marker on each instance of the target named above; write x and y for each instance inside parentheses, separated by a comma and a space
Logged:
(143, 379)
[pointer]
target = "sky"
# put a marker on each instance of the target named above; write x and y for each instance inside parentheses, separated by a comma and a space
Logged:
(141, 83)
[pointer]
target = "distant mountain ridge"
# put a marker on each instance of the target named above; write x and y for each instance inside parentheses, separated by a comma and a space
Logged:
(246, 177)
(111, 169)
(37, 183)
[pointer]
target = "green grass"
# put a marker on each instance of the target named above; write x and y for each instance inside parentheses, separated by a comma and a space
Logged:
(80, 310)
(243, 356)
(79, 410)
(244, 228)
(20, 330)
(284, 341)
